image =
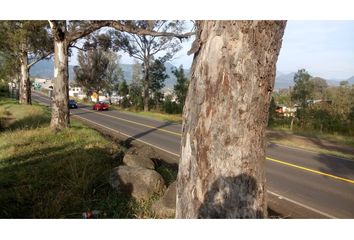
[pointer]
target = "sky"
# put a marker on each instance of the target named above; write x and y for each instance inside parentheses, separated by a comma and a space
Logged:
(323, 48)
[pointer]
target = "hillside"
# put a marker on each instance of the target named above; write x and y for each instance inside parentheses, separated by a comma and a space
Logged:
(45, 69)
(287, 80)
(170, 81)
(351, 80)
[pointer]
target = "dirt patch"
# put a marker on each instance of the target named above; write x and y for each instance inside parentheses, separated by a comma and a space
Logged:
(310, 143)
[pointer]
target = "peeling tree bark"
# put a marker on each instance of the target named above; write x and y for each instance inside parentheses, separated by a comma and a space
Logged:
(60, 109)
(62, 39)
(25, 84)
(221, 172)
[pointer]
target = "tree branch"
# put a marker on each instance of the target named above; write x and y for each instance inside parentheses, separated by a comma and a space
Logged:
(84, 31)
(141, 31)
(79, 48)
(38, 59)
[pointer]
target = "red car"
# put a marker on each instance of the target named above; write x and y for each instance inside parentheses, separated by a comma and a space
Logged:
(100, 106)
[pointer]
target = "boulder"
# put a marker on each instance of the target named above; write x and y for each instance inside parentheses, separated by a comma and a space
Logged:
(166, 205)
(145, 151)
(138, 161)
(139, 182)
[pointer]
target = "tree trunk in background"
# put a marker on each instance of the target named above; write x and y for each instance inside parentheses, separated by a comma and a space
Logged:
(221, 171)
(146, 95)
(25, 84)
(60, 110)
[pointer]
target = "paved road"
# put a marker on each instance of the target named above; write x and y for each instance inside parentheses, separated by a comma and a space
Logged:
(303, 183)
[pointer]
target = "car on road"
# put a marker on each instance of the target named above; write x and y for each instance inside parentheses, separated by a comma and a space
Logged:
(100, 106)
(72, 103)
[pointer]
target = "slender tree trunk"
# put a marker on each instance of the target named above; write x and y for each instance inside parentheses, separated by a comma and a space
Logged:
(60, 110)
(146, 95)
(25, 84)
(221, 172)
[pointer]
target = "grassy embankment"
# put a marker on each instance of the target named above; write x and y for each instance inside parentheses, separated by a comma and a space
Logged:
(338, 138)
(62, 175)
(324, 143)
(160, 116)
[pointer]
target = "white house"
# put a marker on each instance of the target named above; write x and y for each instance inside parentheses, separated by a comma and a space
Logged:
(76, 92)
(101, 97)
(169, 92)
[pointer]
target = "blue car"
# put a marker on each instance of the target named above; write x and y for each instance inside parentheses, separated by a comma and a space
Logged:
(72, 104)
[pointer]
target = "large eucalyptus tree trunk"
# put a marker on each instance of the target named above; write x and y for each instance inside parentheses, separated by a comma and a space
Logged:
(25, 84)
(60, 110)
(221, 172)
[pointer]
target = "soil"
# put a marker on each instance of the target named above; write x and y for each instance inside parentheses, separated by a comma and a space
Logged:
(310, 143)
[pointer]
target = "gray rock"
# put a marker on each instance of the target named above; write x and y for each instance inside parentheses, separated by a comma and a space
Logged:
(138, 161)
(145, 151)
(139, 182)
(166, 205)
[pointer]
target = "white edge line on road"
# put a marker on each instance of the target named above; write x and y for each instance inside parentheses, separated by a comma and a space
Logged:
(38, 95)
(302, 205)
(273, 193)
(280, 145)
(127, 135)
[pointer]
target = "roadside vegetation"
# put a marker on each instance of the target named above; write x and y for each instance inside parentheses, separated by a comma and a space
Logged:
(58, 175)
(317, 111)
(161, 116)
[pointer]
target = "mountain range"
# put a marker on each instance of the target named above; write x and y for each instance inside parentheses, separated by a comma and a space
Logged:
(283, 80)
(45, 69)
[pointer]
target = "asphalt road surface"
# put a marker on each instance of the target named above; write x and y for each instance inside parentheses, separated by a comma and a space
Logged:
(301, 184)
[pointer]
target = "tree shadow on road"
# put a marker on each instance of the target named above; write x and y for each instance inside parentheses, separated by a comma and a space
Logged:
(335, 166)
(231, 197)
(128, 142)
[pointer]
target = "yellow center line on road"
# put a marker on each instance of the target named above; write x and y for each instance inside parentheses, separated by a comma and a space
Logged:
(310, 170)
(136, 123)
(267, 158)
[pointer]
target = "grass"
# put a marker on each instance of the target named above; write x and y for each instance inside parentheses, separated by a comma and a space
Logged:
(16, 116)
(174, 118)
(338, 138)
(58, 175)
(168, 174)
(312, 148)
(337, 145)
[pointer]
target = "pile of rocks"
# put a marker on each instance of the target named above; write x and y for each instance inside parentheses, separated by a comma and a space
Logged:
(138, 178)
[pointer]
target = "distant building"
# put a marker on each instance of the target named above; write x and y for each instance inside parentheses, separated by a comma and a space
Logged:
(76, 92)
(101, 97)
(284, 111)
(169, 92)
(319, 101)
(43, 83)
